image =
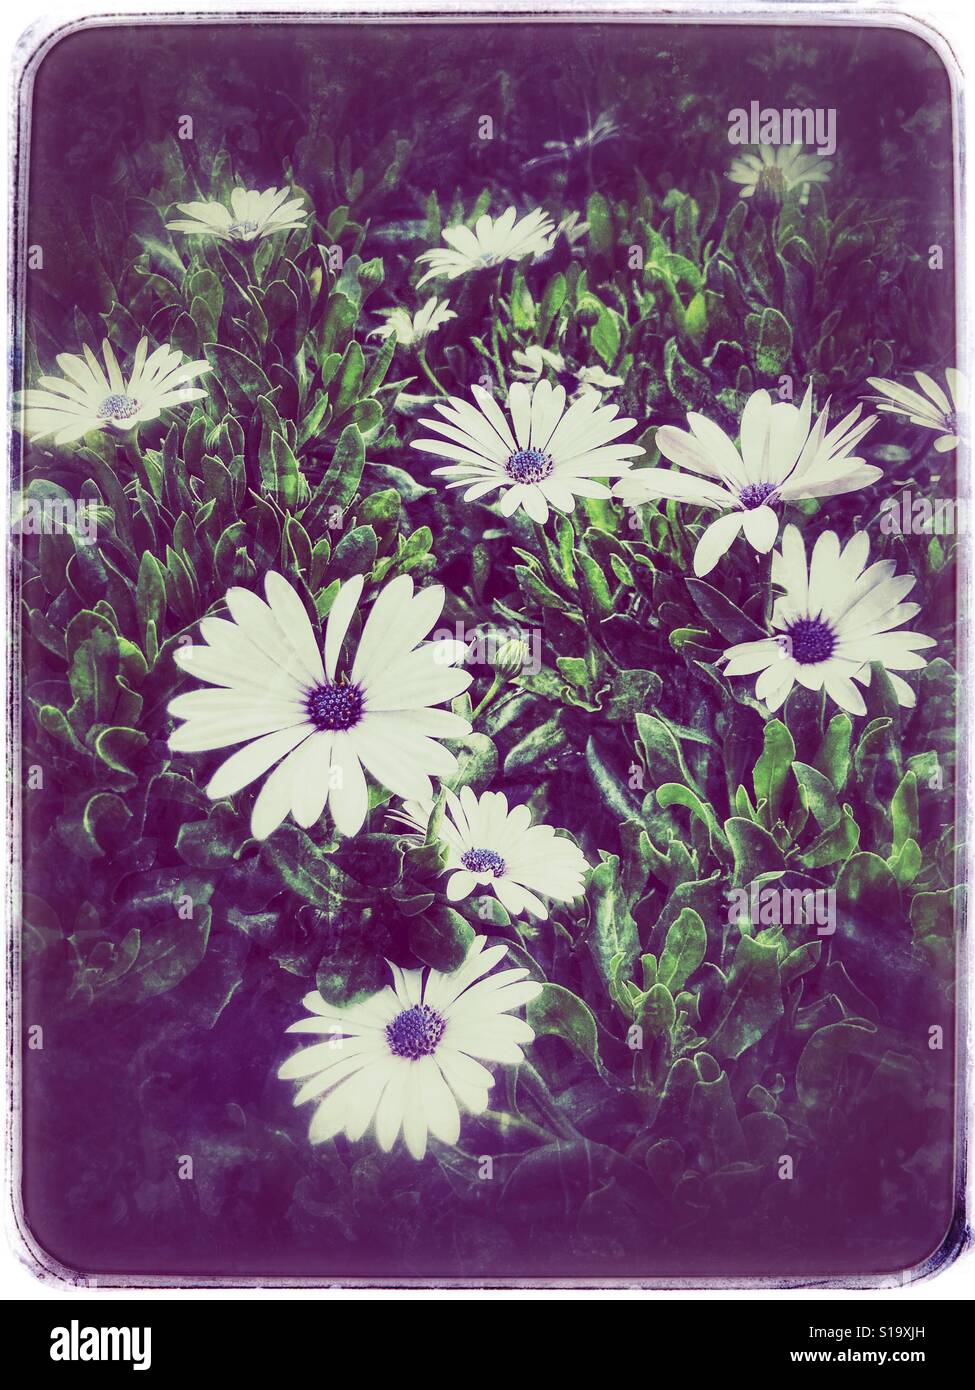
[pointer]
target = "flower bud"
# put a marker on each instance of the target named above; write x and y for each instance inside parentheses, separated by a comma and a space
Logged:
(510, 658)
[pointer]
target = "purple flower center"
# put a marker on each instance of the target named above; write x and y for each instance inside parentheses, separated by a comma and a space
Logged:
(117, 407)
(331, 707)
(529, 466)
(484, 861)
(755, 495)
(810, 640)
(415, 1032)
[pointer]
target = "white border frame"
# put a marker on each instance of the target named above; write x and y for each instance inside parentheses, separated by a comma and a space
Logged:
(30, 50)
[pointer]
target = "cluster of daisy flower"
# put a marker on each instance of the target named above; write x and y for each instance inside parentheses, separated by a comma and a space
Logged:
(316, 720)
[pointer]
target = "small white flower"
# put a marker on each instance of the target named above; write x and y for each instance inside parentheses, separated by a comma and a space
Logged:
(783, 458)
(777, 169)
(935, 410)
(532, 361)
(602, 129)
(274, 694)
(572, 229)
(414, 815)
(251, 215)
(89, 398)
(546, 455)
(406, 1059)
(492, 241)
(835, 616)
(490, 846)
(413, 332)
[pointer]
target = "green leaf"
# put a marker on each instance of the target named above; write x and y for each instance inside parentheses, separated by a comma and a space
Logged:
(661, 752)
(150, 593)
(286, 485)
(308, 871)
(867, 883)
(351, 969)
(754, 850)
(752, 1000)
(606, 336)
(562, 1014)
(120, 748)
(770, 339)
(372, 858)
(906, 864)
(552, 301)
(600, 219)
(904, 812)
(835, 845)
(168, 951)
(676, 794)
(242, 379)
(684, 949)
(658, 1013)
(441, 937)
(818, 795)
(725, 618)
(833, 758)
(100, 829)
(935, 914)
(772, 769)
(612, 937)
(349, 380)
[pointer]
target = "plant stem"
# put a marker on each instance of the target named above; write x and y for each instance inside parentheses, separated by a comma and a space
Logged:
(496, 685)
(505, 1123)
(542, 1097)
(421, 357)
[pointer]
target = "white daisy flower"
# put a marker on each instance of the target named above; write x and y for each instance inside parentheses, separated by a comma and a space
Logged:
(414, 816)
(935, 410)
(572, 229)
(251, 215)
(602, 129)
(531, 362)
(546, 455)
(492, 241)
(89, 398)
(410, 1058)
(413, 332)
(835, 616)
(321, 720)
(783, 458)
(490, 846)
(775, 170)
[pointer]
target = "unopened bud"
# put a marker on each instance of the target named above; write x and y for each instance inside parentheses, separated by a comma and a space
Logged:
(588, 310)
(372, 273)
(510, 658)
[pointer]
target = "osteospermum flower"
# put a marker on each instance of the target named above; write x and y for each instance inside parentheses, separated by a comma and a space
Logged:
(410, 1058)
(413, 332)
(934, 410)
(783, 458)
(492, 241)
(251, 215)
(603, 128)
(836, 615)
(491, 846)
(545, 455)
(531, 362)
(89, 397)
(317, 718)
(776, 169)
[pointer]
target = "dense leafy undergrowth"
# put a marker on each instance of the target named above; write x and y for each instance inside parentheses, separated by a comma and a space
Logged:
(784, 1109)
